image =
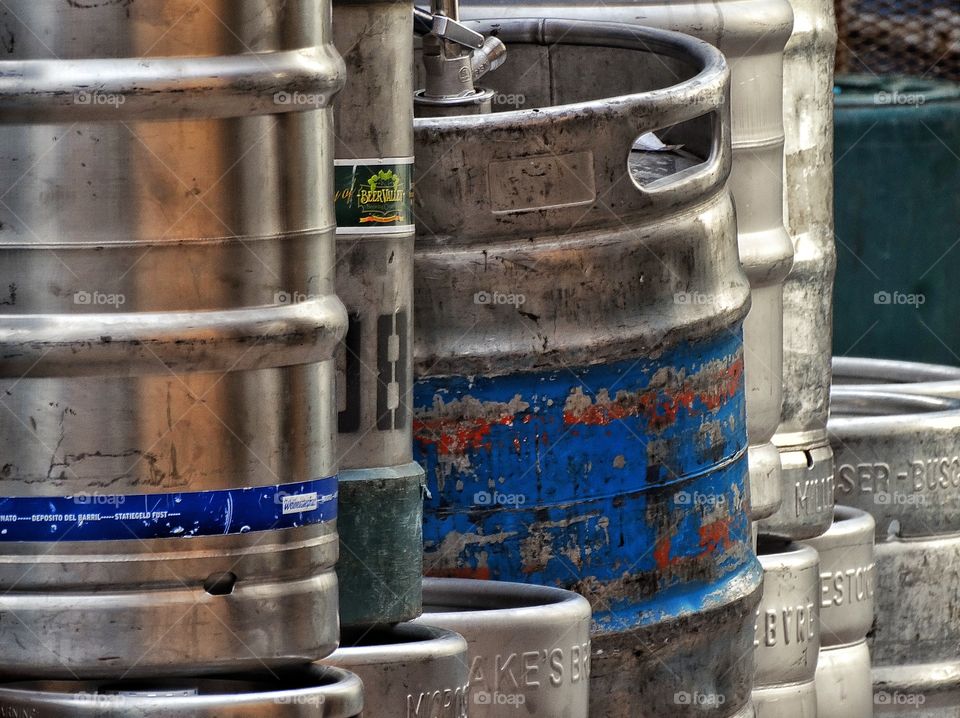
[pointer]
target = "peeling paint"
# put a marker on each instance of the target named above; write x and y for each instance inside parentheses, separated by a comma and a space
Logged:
(625, 481)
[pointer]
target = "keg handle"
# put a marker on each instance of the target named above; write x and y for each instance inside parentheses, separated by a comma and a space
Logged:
(711, 170)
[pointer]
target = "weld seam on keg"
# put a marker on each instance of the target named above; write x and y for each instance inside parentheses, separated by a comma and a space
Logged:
(169, 88)
(168, 515)
(762, 143)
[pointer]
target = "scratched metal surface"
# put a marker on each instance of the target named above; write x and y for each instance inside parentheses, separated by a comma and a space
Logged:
(579, 402)
(752, 35)
(157, 374)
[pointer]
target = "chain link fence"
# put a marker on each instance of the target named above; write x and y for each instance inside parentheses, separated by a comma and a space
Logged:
(900, 37)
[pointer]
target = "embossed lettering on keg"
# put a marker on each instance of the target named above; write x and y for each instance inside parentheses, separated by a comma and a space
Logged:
(787, 632)
(752, 35)
(314, 692)
(529, 646)
(805, 453)
(898, 458)
(381, 506)
(169, 477)
(579, 393)
(847, 586)
(413, 670)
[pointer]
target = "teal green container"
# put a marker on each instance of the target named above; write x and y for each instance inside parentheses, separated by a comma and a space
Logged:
(897, 219)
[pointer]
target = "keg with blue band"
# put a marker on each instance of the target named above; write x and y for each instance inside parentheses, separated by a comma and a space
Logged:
(579, 400)
(111, 517)
(617, 480)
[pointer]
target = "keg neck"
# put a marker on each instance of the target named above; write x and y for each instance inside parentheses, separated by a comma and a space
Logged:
(455, 57)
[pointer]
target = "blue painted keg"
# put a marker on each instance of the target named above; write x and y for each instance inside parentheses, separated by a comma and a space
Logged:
(579, 393)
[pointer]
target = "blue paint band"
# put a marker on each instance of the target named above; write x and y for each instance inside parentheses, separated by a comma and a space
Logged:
(101, 517)
(626, 481)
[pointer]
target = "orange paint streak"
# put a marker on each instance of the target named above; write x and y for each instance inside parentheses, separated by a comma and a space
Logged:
(714, 534)
(457, 437)
(661, 554)
(661, 407)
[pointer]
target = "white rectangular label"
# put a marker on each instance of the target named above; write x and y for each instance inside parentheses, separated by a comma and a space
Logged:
(300, 503)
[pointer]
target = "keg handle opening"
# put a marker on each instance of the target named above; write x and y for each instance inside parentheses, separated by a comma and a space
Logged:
(713, 145)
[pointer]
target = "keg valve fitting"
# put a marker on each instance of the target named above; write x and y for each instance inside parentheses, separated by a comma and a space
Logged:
(454, 58)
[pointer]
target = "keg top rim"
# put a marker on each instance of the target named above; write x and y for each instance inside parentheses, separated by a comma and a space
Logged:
(341, 690)
(850, 526)
(860, 404)
(708, 64)
(400, 643)
(475, 597)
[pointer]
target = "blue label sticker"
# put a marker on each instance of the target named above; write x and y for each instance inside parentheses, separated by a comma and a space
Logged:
(111, 517)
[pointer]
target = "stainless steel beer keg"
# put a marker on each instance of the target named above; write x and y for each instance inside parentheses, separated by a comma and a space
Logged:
(579, 388)
(847, 585)
(381, 487)
(752, 35)
(407, 669)
(528, 646)
(167, 248)
(902, 451)
(805, 453)
(787, 639)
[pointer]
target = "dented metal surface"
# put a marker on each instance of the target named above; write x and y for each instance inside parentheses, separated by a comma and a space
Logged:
(579, 390)
(168, 337)
(752, 35)
(805, 454)
(381, 510)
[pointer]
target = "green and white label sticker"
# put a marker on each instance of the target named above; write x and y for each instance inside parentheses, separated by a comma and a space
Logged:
(374, 195)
